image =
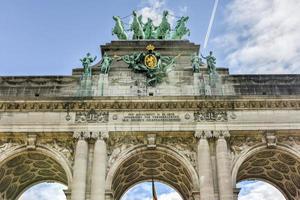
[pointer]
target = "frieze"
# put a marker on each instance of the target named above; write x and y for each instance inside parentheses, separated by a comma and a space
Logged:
(91, 116)
(191, 104)
(210, 116)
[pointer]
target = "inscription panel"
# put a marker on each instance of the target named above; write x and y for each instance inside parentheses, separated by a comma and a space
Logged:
(136, 117)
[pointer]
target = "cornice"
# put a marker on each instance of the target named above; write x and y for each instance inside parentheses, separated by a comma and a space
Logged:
(181, 103)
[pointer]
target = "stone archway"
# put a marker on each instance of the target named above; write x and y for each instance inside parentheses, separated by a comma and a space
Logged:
(27, 168)
(277, 166)
(160, 164)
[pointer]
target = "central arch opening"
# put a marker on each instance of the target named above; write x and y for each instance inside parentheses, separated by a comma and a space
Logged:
(143, 165)
(144, 190)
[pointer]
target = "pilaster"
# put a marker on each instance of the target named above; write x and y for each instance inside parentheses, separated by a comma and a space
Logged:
(223, 167)
(204, 166)
(99, 166)
(80, 166)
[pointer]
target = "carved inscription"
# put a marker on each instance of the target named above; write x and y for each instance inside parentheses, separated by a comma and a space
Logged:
(151, 117)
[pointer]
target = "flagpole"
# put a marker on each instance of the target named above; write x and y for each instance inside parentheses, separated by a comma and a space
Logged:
(154, 196)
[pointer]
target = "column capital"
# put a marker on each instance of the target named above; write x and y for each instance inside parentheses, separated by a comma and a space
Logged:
(82, 135)
(203, 134)
(206, 134)
(101, 135)
(220, 134)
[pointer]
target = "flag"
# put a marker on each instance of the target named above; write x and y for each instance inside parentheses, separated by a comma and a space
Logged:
(153, 191)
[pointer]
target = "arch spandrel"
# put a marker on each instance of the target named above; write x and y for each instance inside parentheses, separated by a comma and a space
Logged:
(143, 164)
(26, 168)
(278, 166)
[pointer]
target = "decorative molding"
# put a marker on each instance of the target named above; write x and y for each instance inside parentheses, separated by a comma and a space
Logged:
(91, 116)
(185, 104)
(210, 116)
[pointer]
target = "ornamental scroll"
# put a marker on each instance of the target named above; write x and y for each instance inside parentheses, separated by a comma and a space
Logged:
(210, 116)
(91, 116)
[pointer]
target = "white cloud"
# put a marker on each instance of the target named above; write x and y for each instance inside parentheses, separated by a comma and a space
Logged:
(183, 10)
(170, 196)
(45, 191)
(257, 190)
(261, 36)
(154, 10)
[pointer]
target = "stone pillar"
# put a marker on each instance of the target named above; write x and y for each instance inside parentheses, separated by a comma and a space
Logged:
(80, 167)
(204, 166)
(109, 195)
(223, 168)
(195, 196)
(67, 194)
(99, 167)
(236, 192)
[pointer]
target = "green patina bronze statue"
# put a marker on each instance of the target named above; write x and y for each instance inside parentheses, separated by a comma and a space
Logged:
(149, 29)
(86, 63)
(164, 27)
(105, 64)
(211, 62)
(119, 29)
(134, 62)
(196, 63)
(181, 29)
(137, 28)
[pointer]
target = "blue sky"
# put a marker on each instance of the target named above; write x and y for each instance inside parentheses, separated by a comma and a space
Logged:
(49, 37)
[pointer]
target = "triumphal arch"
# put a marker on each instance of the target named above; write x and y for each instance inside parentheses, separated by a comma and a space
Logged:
(152, 107)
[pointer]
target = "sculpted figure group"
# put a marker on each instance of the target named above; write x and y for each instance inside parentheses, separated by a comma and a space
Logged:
(210, 62)
(148, 30)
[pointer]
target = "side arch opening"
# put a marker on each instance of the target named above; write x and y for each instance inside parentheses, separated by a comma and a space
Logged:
(44, 190)
(275, 166)
(27, 168)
